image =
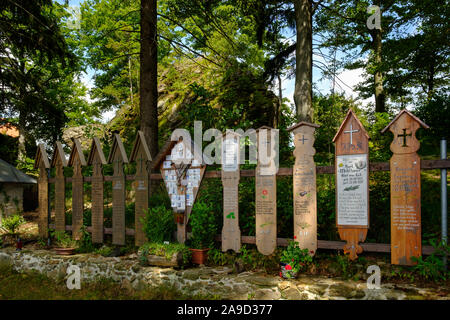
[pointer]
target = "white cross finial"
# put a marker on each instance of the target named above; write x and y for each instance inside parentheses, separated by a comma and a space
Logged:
(351, 132)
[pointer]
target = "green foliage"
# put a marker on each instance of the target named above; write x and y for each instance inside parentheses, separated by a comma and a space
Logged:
(159, 224)
(12, 223)
(432, 267)
(85, 244)
(164, 250)
(104, 251)
(204, 227)
(298, 259)
(63, 239)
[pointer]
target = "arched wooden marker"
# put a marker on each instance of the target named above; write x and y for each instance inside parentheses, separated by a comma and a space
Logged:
(406, 239)
(182, 180)
(59, 162)
(118, 157)
(141, 155)
(77, 161)
(352, 183)
(42, 163)
(231, 234)
(97, 160)
(266, 196)
(304, 184)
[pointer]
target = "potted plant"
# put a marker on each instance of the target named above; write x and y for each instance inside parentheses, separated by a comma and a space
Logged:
(65, 245)
(204, 230)
(294, 260)
(11, 224)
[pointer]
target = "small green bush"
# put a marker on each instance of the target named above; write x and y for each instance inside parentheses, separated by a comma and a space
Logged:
(159, 224)
(12, 223)
(295, 258)
(204, 227)
(164, 250)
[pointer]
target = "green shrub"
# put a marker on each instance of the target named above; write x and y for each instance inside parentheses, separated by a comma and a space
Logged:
(85, 244)
(295, 258)
(204, 227)
(159, 224)
(12, 223)
(432, 267)
(164, 250)
(63, 240)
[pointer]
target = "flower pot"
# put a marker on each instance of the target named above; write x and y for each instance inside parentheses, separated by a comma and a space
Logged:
(287, 272)
(199, 256)
(64, 251)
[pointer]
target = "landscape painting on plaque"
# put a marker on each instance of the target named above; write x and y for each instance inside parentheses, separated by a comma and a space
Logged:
(141, 155)
(406, 240)
(42, 163)
(182, 168)
(118, 157)
(304, 184)
(231, 234)
(97, 160)
(352, 183)
(59, 162)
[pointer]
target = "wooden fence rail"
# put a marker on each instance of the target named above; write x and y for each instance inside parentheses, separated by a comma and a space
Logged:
(322, 244)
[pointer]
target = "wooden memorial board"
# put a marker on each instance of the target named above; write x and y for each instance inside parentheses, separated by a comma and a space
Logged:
(231, 234)
(304, 184)
(77, 161)
(352, 183)
(182, 180)
(42, 163)
(266, 197)
(406, 241)
(118, 157)
(141, 155)
(59, 162)
(96, 159)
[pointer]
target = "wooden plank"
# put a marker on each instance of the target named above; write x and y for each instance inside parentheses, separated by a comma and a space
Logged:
(76, 161)
(60, 196)
(43, 201)
(231, 234)
(352, 183)
(406, 240)
(304, 185)
(373, 167)
(141, 156)
(266, 197)
(118, 157)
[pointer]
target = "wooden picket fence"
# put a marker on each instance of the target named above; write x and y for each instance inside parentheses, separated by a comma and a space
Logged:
(141, 157)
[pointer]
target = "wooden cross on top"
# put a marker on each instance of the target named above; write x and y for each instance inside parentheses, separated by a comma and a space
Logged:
(41, 158)
(351, 137)
(140, 152)
(96, 156)
(77, 153)
(117, 154)
(404, 127)
(59, 155)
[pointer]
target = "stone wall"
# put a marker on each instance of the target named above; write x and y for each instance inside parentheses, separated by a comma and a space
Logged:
(219, 281)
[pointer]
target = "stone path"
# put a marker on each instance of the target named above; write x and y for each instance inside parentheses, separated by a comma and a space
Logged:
(220, 282)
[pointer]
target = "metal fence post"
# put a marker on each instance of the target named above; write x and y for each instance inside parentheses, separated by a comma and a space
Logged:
(444, 199)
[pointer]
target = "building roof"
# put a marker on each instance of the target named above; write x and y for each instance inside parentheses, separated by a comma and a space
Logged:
(8, 173)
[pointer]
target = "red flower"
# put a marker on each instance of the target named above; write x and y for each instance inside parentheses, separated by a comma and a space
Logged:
(281, 275)
(265, 192)
(295, 237)
(288, 267)
(292, 260)
(311, 252)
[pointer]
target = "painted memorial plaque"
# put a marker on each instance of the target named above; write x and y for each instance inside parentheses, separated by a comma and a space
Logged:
(118, 157)
(304, 184)
(406, 241)
(231, 234)
(352, 183)
(59, 162)
(141, 155)
(42, 163)
(97, 160)
(266, 196)
(77, 161)
(182, 169)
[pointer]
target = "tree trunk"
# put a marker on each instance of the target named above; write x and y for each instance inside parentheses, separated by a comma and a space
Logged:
(380, 96)
(22, 154)
(148, 87)
(303, 67)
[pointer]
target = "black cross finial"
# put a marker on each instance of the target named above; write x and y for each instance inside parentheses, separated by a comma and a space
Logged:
(404, 135)
(303, 139)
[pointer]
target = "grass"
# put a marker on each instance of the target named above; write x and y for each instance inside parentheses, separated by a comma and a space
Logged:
(35, 286)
